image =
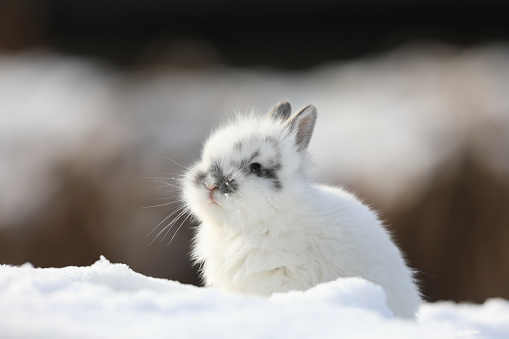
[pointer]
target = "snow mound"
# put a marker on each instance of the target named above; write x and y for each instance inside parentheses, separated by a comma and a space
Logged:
(108, 300)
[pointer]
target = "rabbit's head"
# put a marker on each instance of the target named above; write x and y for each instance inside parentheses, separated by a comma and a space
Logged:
(252, 168)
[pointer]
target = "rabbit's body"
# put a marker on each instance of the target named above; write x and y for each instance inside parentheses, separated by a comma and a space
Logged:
(265, 227)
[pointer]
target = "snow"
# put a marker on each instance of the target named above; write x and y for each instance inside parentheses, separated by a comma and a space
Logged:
(107, 300)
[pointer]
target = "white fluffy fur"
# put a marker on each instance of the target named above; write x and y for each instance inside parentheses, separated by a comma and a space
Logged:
(260, 240)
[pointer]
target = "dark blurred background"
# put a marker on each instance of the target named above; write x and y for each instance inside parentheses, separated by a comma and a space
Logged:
(95, 96)
(249, 33)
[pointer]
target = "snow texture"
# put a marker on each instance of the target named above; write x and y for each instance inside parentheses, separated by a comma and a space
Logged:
(108, 300)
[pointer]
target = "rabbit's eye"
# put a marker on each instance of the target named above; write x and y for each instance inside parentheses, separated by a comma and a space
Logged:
(255, 168)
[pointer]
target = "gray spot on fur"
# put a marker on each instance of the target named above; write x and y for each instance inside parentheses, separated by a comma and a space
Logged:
(271, 174)
(198, 178)
(228, 186)
(271, 140)
(254, 155)
(222, 182)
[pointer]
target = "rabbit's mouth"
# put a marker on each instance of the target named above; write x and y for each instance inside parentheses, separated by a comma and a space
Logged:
(212, 200)
(211, 194)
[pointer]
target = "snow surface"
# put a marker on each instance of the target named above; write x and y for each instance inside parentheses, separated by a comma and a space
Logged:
(108, 300)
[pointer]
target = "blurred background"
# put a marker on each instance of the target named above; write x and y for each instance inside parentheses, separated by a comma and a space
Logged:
(98, 96)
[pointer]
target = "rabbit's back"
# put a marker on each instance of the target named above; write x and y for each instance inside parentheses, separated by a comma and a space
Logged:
(331, 235)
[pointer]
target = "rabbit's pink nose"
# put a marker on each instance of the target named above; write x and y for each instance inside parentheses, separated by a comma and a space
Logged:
(211, 187)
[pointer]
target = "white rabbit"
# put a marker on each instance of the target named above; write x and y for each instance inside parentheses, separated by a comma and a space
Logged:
(266, 227)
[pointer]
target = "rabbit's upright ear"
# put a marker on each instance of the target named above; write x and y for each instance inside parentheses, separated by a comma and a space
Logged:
(281, 111)
(304, 122)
